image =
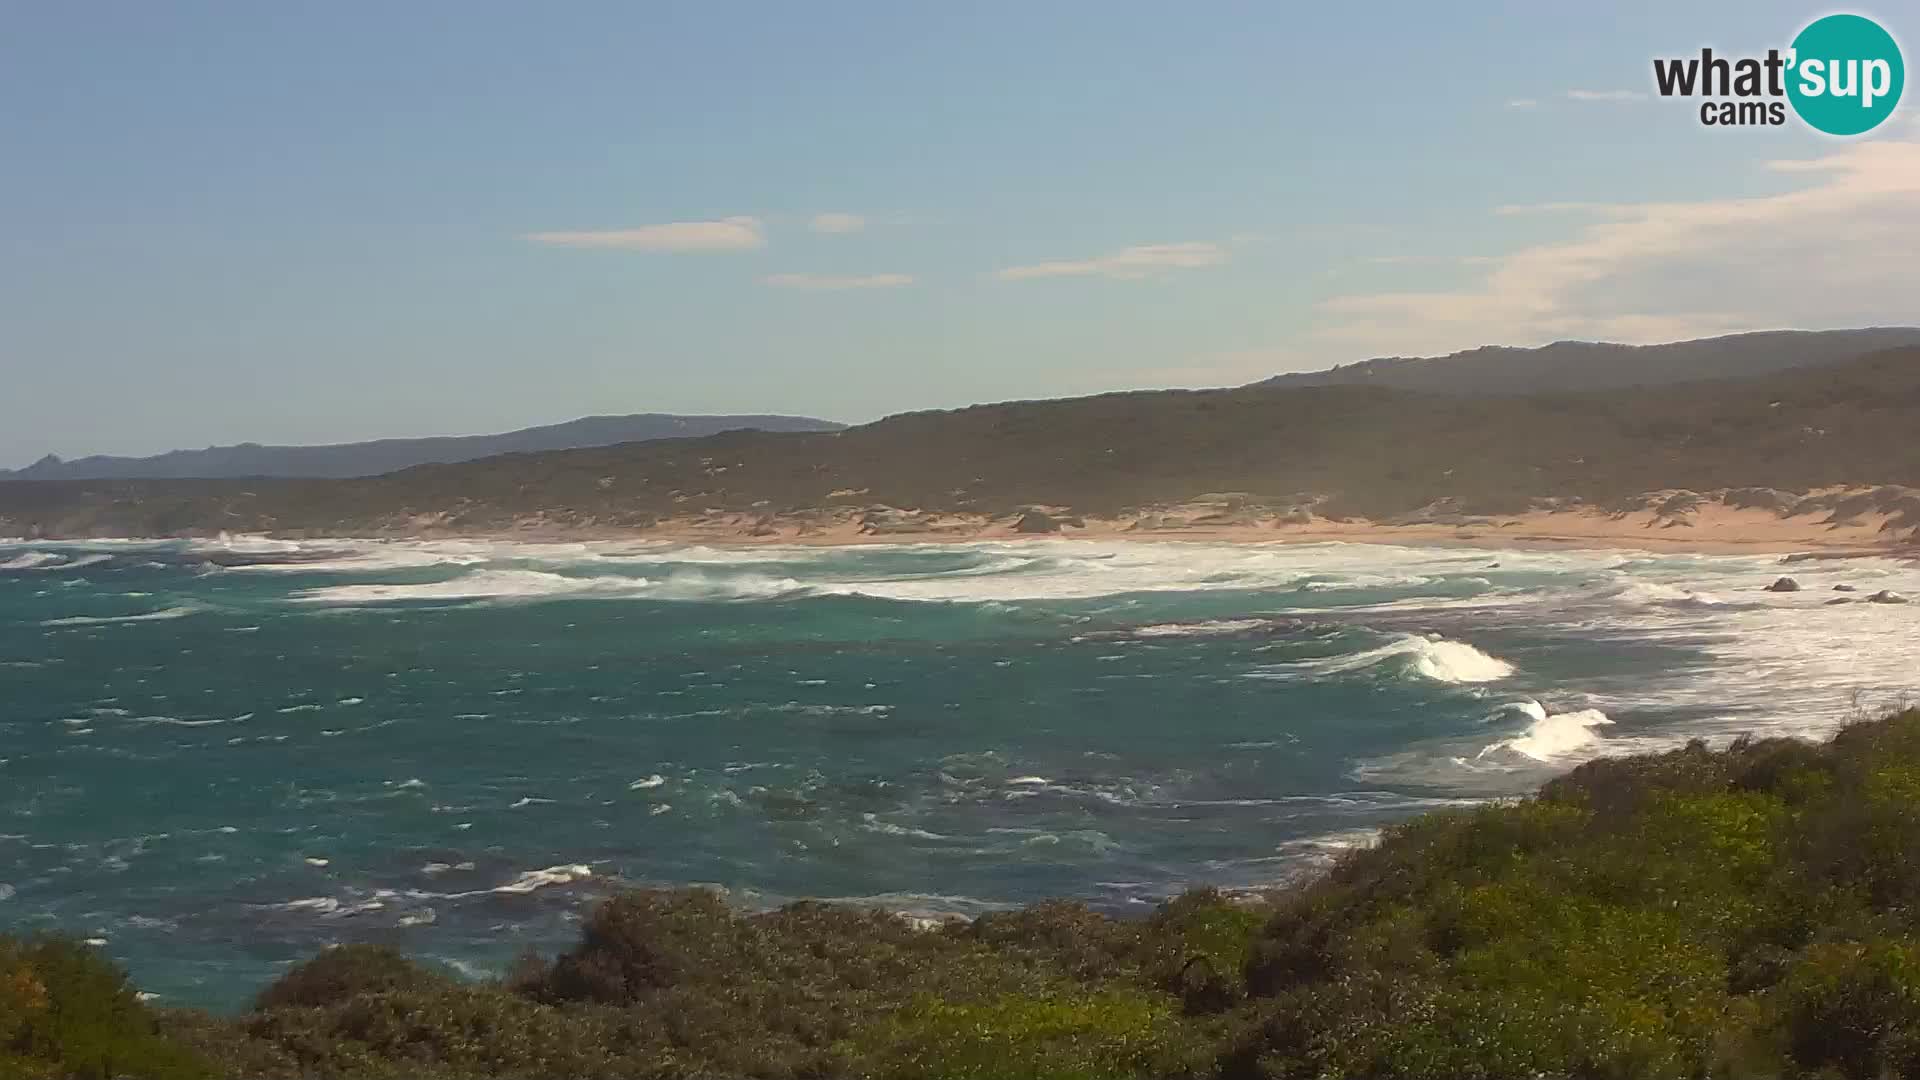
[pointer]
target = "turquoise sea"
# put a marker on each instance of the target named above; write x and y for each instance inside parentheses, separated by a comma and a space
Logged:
(217, 757)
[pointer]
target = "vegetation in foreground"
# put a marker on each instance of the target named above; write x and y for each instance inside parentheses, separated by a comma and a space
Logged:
(1741, 913)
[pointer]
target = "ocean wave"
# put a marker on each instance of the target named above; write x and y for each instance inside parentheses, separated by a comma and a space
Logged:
(872, 823)
(532, 880)
(172, 721)
(479, 585)
(48, 560)
(31, 559)
(1551, 736)
(1201, 629)
(1658, 594)
(1437, 658)
(982, 573)
(180, 611)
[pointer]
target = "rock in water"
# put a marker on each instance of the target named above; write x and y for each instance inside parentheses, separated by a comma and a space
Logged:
(1886, 596)
(1785, 584)
(1033, 521)
(1844, 588)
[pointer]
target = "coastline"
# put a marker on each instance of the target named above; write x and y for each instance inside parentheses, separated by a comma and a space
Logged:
(1709, 530)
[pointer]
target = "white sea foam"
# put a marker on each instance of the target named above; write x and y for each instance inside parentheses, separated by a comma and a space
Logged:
(1552, 736)
(479, 585)
(174, 721)
(1201, 629)
(540, 879)
(642, 784)
(180, 611)
(94, 559)
(872, 823)
(1661, 594)
(29, 560)
(1440, 659)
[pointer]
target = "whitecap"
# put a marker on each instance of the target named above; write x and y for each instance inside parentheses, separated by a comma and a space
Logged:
(872, 823)
(653, 781)
(31, 559)
(478, 585)
(1552, 736)
(539, 879)
(1437, 658)
(1201, 629)
(178, 612)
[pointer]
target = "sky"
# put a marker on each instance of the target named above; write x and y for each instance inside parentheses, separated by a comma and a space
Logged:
(226, 222)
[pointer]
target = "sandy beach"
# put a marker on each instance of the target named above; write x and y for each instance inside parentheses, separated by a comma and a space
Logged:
(1713, 528)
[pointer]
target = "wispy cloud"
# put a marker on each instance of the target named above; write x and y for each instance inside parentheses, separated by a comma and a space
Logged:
(1147, 260)
(1617, 96)
(1523, 103)
(837, 223)
(1660, 271)
(837, 282)
(726, 234)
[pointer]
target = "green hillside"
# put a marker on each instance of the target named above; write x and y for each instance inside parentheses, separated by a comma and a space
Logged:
(1370, 451)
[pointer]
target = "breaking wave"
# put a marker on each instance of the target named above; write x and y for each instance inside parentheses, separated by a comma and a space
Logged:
(480, 585)
(29, 560)
(1426, 657)
(1552, 736)
(179, 612)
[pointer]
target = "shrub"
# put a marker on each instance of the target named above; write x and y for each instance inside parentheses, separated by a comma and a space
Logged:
(66, 1010)
(341, 972)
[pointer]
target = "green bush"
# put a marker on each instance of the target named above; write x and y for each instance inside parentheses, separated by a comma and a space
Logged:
(342, 972)
(1068, 1036)
(67, 1011)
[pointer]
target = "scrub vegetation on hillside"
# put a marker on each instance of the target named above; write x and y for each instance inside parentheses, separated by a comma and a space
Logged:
(1347, 450)
(1742, 913)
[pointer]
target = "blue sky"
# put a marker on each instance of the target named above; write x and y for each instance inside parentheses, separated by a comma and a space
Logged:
(301, 223)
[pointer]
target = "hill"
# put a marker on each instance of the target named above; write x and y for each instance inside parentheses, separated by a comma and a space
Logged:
(1583, 365)
(1349, 450)
(1746, 912)
(388, 455)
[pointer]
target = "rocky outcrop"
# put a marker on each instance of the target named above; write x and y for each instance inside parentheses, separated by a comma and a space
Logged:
(1785, 584)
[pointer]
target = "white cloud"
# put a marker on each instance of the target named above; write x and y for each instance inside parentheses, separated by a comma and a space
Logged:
(1835, 252)
(1523, 103)
(838, 282)
(726, 234)
(1131, 263)
(837, 223)
(1606, 95)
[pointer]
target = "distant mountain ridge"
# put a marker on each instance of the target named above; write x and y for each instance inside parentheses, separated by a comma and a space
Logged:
(1569, 366)
(1331, 452)
(344, 460)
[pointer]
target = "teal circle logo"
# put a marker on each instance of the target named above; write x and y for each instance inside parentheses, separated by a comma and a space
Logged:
(1846, 74)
